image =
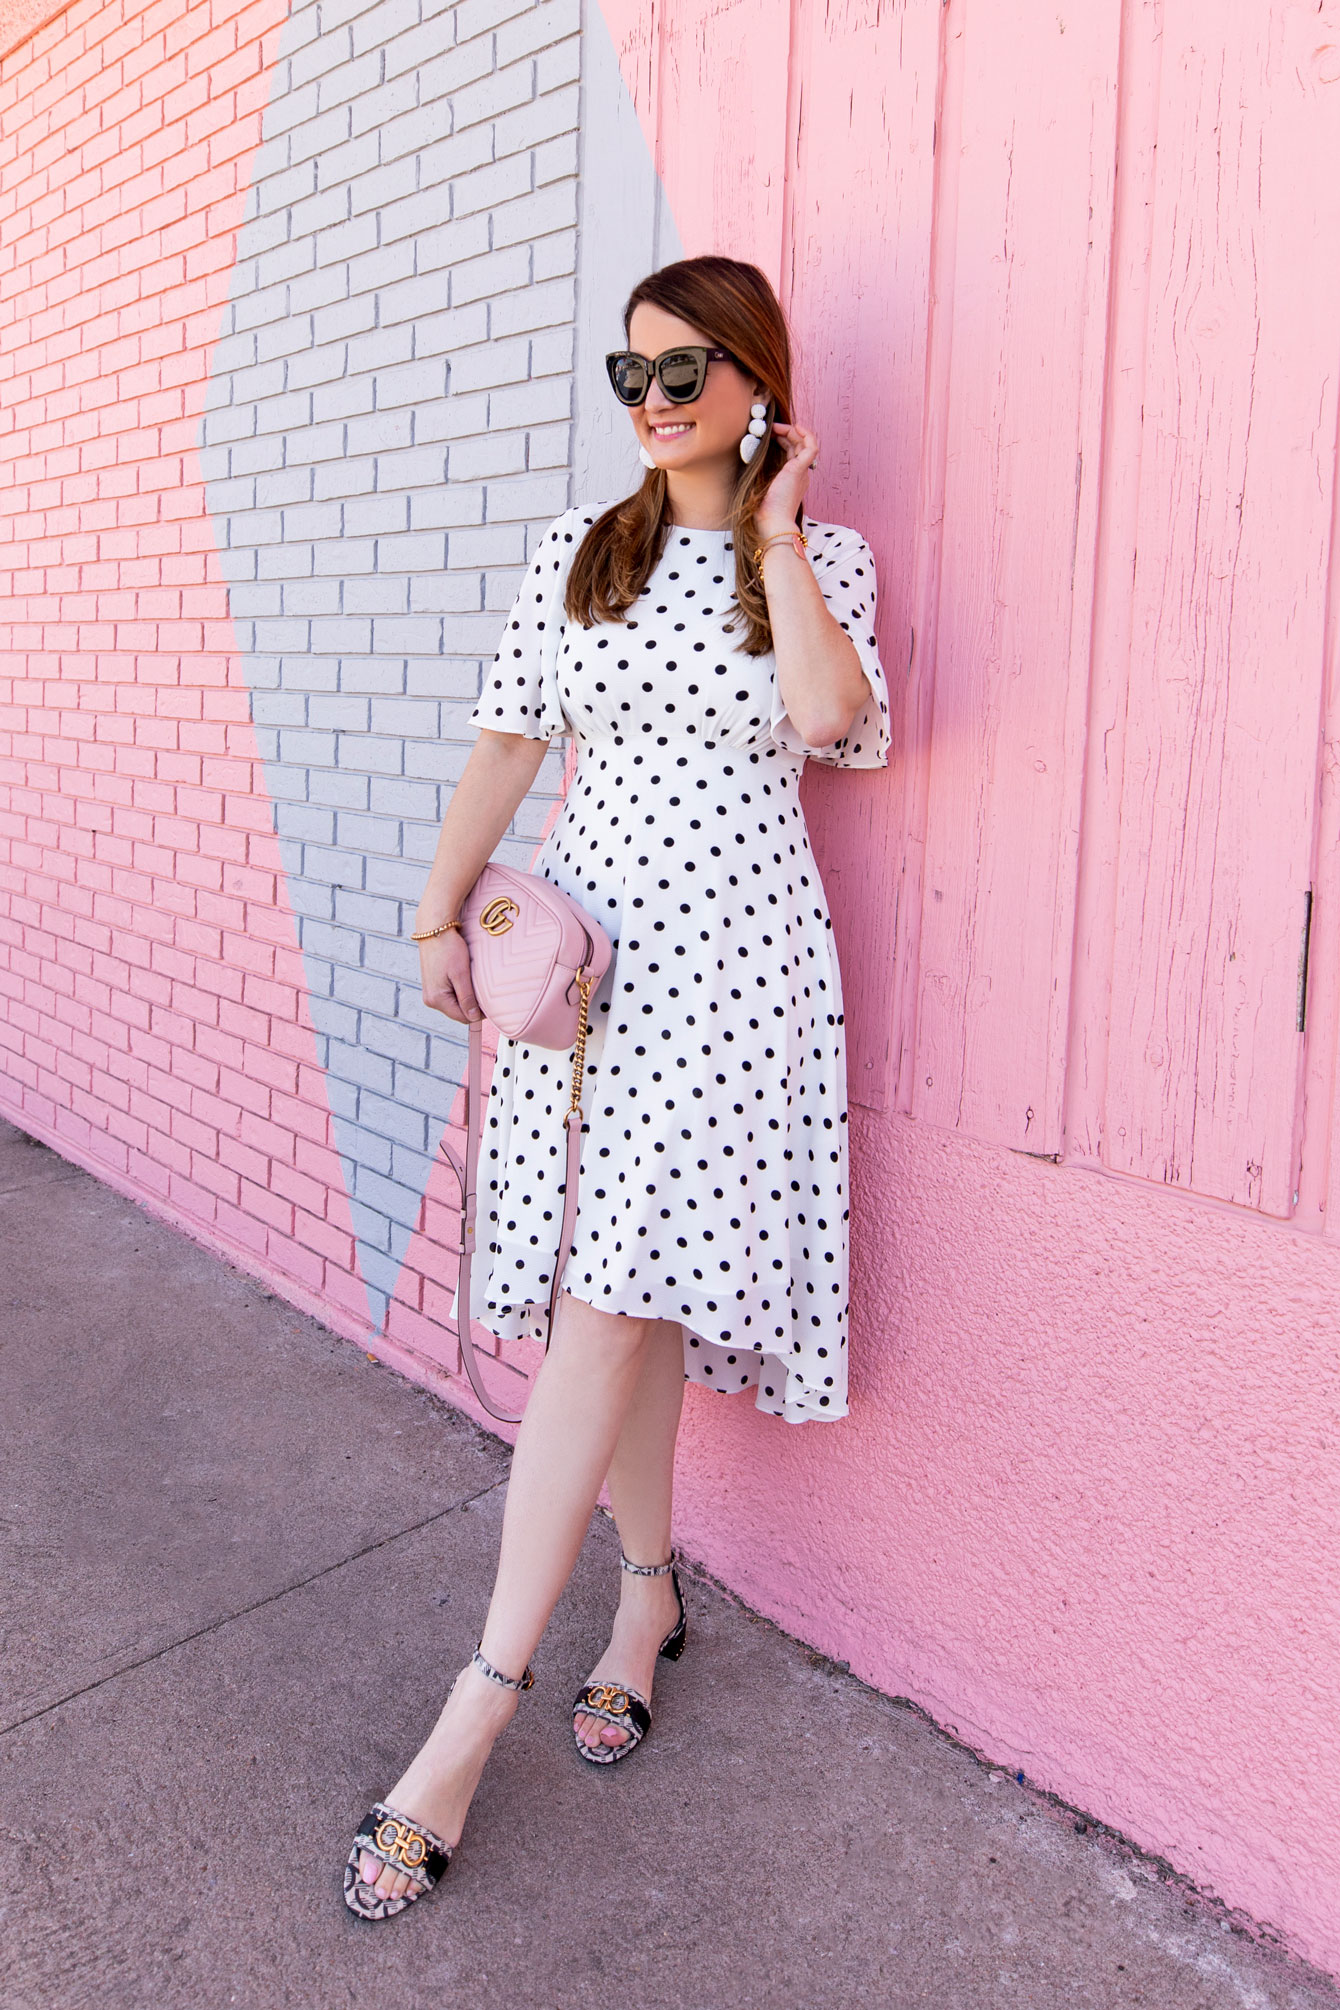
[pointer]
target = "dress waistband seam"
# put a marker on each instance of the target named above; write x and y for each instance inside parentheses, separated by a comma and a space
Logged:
(772, 751)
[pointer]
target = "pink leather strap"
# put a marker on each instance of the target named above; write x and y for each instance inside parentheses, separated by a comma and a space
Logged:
(467, 1177)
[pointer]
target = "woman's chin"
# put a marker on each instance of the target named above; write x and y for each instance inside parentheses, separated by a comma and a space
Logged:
(679, 456)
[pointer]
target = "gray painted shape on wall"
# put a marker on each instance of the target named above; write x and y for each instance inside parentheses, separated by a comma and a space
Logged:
(388, 431)
(386, 435)
(625, 231)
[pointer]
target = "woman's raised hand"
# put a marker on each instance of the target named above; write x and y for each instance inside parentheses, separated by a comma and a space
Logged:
(786, 491)
(445, 966)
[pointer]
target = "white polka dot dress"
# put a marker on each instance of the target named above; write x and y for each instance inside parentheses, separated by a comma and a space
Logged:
(714, 1153)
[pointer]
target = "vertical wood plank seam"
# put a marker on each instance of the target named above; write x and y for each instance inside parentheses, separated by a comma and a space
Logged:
(1316, 1144)
(795, 102)
(919, 716)
(1098, 296)
(1094, 941)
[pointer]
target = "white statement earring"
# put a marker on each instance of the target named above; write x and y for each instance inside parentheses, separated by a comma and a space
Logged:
(645, 458)
(758, 426)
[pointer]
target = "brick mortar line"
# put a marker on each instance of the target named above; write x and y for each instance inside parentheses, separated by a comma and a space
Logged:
(214, 1625)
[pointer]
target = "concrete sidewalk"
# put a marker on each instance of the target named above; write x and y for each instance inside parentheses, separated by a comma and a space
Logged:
(242, 1563)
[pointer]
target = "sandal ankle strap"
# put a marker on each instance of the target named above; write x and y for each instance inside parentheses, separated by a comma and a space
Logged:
(647, 1569)
(523, 1681)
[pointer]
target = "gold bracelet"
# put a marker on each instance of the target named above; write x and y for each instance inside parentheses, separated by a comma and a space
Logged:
(797, 538)
(427, 934)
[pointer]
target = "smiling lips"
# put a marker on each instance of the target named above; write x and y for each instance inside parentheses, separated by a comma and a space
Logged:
(671, 432)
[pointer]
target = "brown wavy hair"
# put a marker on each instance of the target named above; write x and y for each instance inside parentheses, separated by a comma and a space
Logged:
(736, 309)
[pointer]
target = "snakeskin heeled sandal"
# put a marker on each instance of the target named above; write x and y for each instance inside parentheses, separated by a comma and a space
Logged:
(406, 1845)
(614, 1702)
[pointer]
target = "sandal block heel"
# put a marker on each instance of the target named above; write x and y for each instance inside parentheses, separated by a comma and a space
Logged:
(674, 1642)
(614, 1702)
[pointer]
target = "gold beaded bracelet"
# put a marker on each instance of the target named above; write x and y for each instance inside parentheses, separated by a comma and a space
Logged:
(792, 537)
(427, 934)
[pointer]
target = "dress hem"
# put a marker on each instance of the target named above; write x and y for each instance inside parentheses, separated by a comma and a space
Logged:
(527, 1320)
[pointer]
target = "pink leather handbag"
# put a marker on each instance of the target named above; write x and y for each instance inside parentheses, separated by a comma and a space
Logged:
(535, 958)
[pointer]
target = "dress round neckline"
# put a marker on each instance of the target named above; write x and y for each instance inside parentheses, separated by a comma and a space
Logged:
(675, 530)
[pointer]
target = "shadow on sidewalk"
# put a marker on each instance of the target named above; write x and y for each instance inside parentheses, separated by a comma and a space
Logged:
(243, 1564)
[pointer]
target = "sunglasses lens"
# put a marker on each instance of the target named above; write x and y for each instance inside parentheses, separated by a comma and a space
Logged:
(681, 375)
(630, 379)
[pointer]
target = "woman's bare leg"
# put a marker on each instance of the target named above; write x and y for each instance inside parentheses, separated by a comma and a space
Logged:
(641, 1484)
(567, 1438)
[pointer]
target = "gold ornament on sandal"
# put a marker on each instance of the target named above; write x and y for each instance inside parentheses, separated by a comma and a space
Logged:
(401, 1845)
(607, 1698)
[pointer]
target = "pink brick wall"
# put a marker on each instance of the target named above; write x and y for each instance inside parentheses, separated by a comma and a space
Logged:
(154, 1020)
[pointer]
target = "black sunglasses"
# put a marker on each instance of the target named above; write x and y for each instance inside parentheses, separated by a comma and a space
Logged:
(681, 373)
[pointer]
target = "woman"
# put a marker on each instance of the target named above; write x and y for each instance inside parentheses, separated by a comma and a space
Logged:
(700, 647)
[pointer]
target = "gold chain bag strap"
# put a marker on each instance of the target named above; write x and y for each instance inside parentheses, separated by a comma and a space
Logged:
(536, 956)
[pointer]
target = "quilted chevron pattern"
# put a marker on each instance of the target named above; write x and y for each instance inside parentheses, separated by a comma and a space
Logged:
(523, 971)
(516, 969)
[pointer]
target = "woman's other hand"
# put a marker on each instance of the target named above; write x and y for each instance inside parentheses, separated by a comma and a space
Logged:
(445, 966)
(500, 769)
(785, 493)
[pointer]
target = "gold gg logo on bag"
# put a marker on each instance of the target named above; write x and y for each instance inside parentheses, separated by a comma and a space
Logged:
(497, 917)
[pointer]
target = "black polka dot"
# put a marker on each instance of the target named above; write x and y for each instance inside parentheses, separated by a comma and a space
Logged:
(714, 1163)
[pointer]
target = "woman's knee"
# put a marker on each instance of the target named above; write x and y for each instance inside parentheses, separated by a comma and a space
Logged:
(588, 1326)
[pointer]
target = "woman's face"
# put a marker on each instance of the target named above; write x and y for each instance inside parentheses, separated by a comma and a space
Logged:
(710, 428)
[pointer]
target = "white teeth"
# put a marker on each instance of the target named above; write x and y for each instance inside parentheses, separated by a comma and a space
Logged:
(670, 432)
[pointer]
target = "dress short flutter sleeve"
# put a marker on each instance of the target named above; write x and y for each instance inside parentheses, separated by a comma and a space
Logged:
(520, 693)
(845, 569)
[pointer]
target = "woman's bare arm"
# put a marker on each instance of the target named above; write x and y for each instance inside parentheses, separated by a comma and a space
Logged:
(497, 775)
(819, 672)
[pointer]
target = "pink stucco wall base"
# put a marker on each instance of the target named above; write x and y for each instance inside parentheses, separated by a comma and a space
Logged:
(1085, 1510)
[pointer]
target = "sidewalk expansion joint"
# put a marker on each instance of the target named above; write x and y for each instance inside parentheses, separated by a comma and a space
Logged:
(257, 1605)
(47, 1179)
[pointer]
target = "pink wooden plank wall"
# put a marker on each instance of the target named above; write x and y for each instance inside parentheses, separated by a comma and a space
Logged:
(1232, 522)
(1110, 610)
(1066, 284)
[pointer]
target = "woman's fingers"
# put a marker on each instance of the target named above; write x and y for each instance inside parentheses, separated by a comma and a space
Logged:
(801, 448)
(800, 443)
(435, 978)
(445, 964)
(459, 967)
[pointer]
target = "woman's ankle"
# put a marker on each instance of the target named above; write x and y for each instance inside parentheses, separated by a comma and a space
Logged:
(501, 1667)
(642, 1598)
(484, 1699)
